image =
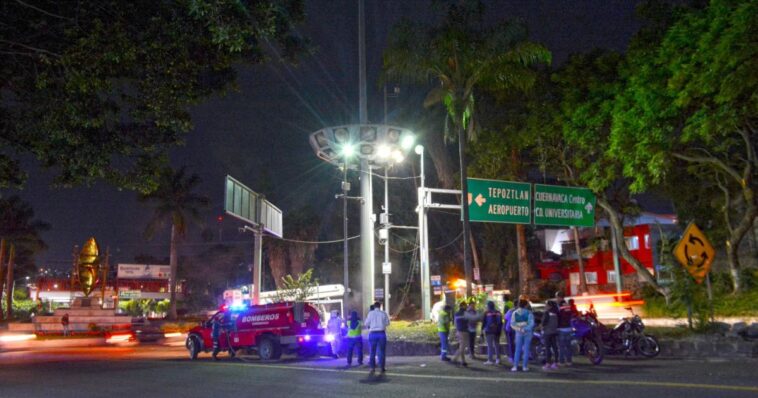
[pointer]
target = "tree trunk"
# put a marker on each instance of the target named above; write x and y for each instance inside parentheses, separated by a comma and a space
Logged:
(738, 233)
(2, 270)
(9, 287)
(277, 262)
(580, 260)
(617, 229)
(525, 272)
(443, 165)
(464, 208)
(173, 260)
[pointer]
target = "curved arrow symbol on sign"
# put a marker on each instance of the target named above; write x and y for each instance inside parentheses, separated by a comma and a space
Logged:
(703, 256)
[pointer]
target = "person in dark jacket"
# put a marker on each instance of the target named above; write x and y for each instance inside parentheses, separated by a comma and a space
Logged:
(509, 333)
(64, 323)
(473, 325)
(565, 333)
(221, 323)
(461, 332)
(550, 335)
(492, 324)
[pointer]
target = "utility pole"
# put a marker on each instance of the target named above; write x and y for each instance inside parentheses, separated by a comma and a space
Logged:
(387, 266)
(367, 208)
(345, 269)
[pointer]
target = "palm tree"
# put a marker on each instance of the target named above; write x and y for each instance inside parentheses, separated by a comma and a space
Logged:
(464, 56)
(175, 201)
(18, 229)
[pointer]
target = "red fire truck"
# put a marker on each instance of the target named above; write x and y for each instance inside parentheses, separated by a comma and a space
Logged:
(270, 329)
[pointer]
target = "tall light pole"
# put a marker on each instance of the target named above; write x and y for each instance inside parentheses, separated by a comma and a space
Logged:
(365, 137)
(347, 152)
(423, 236)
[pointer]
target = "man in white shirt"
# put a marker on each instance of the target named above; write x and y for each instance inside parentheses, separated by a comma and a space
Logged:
(376, 323)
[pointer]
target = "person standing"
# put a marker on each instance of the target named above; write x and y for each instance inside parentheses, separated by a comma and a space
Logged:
(509, 333)
(216, 334)
(565, 333)
(443, 329)
(334, 328)
(64, 323)
(522, 322)
(376, 323)
(550, 335)
(354, 338)
(461, 332)
(473, 324)
(492, 324)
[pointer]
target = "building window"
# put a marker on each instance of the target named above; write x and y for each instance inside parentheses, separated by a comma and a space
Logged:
(611, 276)
(591, 278)
(632, 242)
(647, 241)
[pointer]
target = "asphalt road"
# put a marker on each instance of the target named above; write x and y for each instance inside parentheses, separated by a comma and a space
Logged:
(154, 371)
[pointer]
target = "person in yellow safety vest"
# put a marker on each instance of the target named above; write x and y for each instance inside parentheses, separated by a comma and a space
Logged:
(354, 338)
(443, 328)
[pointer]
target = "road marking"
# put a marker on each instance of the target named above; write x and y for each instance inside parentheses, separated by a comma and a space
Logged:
(510, 379)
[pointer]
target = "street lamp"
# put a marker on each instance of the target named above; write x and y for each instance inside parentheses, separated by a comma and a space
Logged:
(368, 142)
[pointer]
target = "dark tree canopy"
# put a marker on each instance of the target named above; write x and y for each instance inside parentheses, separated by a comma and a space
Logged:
(100, 89)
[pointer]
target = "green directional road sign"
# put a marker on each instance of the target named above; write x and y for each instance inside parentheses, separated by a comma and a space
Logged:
(563, 206)
(499, 201)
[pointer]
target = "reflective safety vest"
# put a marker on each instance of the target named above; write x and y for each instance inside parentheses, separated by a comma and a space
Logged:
(443, 324)
(353, 332)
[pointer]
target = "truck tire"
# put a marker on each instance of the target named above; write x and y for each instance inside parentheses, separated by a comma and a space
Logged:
(194, 346)
(269, 348)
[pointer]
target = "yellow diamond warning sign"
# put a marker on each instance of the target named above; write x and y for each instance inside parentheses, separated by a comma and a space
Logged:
(695, 252)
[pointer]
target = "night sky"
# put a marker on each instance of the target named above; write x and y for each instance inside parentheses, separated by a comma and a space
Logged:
(263, 128)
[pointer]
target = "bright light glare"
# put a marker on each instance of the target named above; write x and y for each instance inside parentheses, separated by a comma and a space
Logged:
(407, 142)
(419, 149)
(459, 283)
(398, 157)
(348, 150)
(383, 151)
(118, 338)
(329, 338)
(307, 337)
(17, 337)
(172, 334)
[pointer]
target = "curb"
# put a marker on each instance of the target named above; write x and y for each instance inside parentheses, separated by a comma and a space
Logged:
(700, 347)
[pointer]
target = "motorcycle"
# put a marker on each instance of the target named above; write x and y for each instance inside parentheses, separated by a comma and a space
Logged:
(627, 337)
(585, 341)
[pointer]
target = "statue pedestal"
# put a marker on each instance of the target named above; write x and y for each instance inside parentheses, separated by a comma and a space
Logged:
(84, 315)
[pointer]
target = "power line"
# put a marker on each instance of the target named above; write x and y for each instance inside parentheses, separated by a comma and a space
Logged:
(316, 242)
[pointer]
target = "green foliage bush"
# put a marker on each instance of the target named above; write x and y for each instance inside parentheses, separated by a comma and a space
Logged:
(725, 304)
